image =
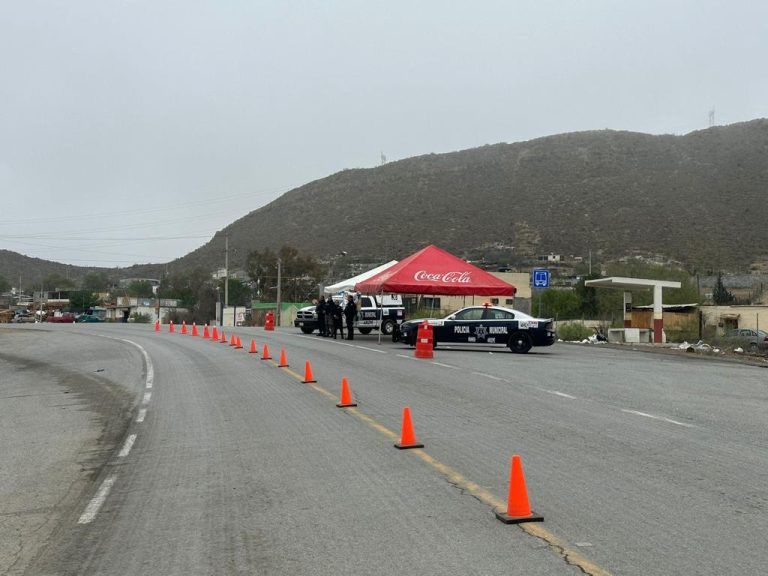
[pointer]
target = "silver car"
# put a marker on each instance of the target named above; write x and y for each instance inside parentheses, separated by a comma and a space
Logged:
(752, 340)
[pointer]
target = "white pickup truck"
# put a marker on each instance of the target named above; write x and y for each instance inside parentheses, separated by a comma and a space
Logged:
(371, 314)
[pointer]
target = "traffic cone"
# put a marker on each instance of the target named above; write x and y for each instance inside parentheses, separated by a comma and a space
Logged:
(215, 335)
(170, 327)
(407, 437)
(518, 508)
(157, 325)
(308, 377)
(253, 347)
(194, 330)
(206, 333)
(283, 359)
(265, 353)
(346, 397)
(232, 341)
(223, 339)
(238, 344)
(183, 326)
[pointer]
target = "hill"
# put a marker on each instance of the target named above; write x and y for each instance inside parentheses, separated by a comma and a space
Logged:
(697, 198)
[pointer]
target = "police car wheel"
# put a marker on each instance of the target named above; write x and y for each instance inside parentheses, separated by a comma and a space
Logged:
(520, 343)
(387, 327)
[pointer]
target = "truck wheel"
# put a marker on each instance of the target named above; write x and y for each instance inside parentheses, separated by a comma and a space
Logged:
(307, 330)
(387, 327)
(365, 330)
(520, 343)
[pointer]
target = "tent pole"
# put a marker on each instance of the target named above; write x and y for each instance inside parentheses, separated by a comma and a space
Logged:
(381, 313)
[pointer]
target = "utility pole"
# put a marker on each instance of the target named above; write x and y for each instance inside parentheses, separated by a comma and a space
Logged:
(226, 271)
(279, 281)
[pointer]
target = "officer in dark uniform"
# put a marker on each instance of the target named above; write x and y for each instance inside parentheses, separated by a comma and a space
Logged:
(350, 312)
(338, 324)
(320, 310)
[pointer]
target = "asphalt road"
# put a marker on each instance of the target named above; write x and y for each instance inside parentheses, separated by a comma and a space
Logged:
(218, 462)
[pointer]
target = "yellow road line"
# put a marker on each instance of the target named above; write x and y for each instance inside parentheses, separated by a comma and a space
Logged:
(569, 555)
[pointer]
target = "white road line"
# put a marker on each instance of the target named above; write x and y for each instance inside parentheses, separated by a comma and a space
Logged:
(150, 380)
(563, 394)
(147, 397)
(371, 349)
(662, 418)
(127, 446)
(446, 365)
(142, 415)
(95, 504)
(484, 375)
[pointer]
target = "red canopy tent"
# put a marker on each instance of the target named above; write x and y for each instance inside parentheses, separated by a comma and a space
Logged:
(435, 271)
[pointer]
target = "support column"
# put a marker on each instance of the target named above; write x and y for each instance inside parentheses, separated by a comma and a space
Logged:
(658, 315)
(627, 309)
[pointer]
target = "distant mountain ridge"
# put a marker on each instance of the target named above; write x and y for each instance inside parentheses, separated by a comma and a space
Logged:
(698, 198)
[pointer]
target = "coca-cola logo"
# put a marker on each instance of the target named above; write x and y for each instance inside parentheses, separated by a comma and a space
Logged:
(446, 277)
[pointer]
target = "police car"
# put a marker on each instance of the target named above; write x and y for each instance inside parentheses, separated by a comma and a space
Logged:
(486, 325)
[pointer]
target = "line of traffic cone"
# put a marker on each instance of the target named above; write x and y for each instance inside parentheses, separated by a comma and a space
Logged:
(215, 334)
(283, 360)
(518, 508)
(265, 353)
(183, 326)
(206, 332)
(238, 344)
(157, 325)
(170, 327)
(194, 330)
(223, 339)
(253, 347)
(407, 436)
(232, 341)
(346, 396)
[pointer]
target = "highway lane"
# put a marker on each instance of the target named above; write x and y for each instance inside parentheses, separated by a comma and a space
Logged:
(643, 464)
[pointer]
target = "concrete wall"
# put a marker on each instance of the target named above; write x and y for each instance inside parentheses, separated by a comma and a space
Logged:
(724, 317)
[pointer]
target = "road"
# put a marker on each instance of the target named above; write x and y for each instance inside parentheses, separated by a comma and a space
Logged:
(640, 463)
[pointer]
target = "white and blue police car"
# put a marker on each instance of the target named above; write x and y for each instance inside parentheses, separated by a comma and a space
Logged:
(485, 325)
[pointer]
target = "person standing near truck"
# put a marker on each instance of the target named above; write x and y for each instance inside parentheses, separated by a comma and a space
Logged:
(320, 310)
(350, 313)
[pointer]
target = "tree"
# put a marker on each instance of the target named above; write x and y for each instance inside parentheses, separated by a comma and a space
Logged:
(140, 289)
(239, 292)
(560, 304)
(81, 300)
(4, 285)
(57, 282)
(96, 282)
(299, 275)
(720, 294)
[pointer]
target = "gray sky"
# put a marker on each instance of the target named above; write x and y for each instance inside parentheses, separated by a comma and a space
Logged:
(131, 131)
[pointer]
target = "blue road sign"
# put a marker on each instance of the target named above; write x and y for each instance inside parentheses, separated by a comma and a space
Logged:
(541, 278)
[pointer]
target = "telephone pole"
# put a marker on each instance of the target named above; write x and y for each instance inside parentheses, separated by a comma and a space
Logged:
(226, 271)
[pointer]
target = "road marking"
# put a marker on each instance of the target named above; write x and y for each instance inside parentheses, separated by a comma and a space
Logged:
(446, 366)
(127, 446)
(406, 356)
(491, 376)
(150, 379)
(142, 415)
(371, 349)
(147, 397)
(563, 394)
(662, 418)
(96, 502)
(555, 543)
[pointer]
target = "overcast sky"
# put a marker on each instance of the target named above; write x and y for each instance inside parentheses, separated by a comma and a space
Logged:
(131, 131)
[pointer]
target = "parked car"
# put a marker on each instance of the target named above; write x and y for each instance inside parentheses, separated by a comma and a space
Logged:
(485, 325)
(88, 318)
(752, 340)
(66, 318)
(23, 316)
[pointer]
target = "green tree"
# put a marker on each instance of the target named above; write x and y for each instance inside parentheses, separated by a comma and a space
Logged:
(96, 282)
(81, 300)
(57, 282)
(560, 304)
(587, 297)
(4, 285)
(300, 274)
(720, 294)
(239, 292)
(140, 289)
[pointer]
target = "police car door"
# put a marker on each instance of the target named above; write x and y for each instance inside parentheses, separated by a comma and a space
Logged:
(498, 325)
(465, 325)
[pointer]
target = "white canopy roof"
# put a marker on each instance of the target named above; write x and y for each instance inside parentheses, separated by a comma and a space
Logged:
(349, 283)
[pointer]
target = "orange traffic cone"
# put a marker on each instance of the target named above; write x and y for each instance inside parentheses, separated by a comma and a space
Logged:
(183, 326)
(232, 341)
(206, 333)
(238, 343)
(253, 347)
(407, 437)
(265, 353)
(223, 339)
(308, 377)
(157, 325)
(215, 335)
(518, 508)
(283, 359)
(170, 327)
(194, 330)
(346, 397)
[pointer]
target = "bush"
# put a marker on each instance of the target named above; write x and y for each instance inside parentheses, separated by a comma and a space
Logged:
(572, 331)
(141, 318)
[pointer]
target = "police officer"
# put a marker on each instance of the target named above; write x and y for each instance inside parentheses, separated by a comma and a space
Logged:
(350, 312)
(338, 324)
(320, 309)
